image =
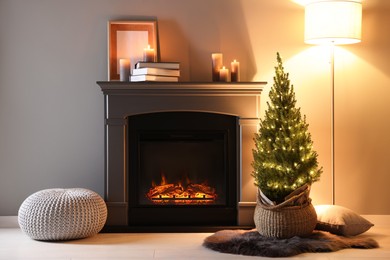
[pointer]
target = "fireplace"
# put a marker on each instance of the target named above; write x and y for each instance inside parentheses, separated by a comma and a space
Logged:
(185, 169)
(179, 154)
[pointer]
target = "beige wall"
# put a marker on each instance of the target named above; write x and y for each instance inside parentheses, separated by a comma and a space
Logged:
(51, 110)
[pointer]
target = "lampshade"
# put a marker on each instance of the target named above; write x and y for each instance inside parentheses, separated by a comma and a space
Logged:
(333, 22)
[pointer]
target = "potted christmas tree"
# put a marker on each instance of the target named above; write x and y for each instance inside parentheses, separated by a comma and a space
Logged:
(285, 165)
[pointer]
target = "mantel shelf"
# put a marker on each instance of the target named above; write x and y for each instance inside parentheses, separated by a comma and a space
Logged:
(169, 88)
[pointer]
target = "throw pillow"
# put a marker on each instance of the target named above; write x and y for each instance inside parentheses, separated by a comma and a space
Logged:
(340, 220)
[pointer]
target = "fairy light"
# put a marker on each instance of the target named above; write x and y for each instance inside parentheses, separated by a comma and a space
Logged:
(284, 150)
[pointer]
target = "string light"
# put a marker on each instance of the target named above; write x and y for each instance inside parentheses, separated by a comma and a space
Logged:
(282, 136)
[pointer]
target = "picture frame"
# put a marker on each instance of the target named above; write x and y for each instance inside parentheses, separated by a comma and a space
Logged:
(128, 39)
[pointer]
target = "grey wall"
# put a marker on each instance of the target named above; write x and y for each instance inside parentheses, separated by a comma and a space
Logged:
(52, 52)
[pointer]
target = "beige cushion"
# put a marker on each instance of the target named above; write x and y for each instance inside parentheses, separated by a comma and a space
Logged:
(340, 220)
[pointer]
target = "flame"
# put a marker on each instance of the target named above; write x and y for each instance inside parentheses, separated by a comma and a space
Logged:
(163, 179)
(176, 193)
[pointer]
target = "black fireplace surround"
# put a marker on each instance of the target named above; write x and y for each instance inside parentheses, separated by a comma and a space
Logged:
(178, 155)
(195, 146)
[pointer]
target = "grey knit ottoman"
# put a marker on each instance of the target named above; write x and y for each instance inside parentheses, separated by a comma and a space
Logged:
(62, 214)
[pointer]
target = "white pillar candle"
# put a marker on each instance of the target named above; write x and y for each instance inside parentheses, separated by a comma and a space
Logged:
(216, 65)
(235, 71)
(124, 69)
(223, 74)
(149, 54)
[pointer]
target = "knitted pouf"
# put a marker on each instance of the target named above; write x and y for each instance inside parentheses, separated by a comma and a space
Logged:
(62, 214)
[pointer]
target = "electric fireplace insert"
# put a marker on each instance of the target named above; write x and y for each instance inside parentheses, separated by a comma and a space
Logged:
(182, 169)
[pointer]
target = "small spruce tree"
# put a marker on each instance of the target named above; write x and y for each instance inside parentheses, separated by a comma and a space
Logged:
(284, 158)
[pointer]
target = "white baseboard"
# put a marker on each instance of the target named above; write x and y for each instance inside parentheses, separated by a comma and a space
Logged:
(9, 222)
(378, 220)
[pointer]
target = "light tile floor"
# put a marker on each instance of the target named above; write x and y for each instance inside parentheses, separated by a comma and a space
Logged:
(16, 245)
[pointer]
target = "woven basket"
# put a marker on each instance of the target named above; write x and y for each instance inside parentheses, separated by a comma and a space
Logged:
(296, 216)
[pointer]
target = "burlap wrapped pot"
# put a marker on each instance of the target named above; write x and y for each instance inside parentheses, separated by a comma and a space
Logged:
(295, 216)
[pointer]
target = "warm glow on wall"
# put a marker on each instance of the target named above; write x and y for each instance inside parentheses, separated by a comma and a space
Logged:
(333, 22)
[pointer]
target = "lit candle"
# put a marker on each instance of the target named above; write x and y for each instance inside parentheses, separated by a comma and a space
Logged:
(124, 69)
(149, 54)
(235, 71)
(216, 65)
(223, 74)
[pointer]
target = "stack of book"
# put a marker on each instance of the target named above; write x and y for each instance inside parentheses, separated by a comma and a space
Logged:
(156, 71)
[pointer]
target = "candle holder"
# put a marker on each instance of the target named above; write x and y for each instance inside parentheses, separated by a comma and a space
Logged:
(235, 71)
(224, 74)
(149, 54)
(216, 65)
(124, 69)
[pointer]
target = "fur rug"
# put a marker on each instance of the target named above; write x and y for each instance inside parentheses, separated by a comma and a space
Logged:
(244, 242)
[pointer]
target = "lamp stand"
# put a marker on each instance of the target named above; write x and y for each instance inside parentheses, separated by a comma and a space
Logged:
(332, 123)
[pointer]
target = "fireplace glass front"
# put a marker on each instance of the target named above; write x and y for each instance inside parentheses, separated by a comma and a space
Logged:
(182, 169)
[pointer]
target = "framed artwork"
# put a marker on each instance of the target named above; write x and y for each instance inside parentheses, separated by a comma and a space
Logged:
(128, 40)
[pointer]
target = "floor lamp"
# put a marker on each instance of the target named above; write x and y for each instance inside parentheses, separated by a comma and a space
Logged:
(333, 22)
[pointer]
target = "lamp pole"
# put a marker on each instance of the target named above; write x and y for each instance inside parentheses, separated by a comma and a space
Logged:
(332, 125)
